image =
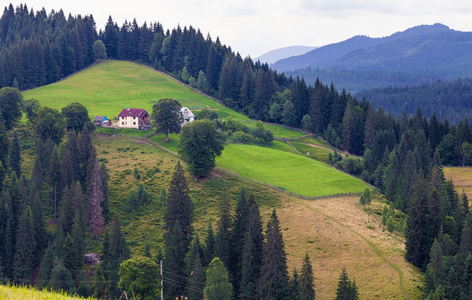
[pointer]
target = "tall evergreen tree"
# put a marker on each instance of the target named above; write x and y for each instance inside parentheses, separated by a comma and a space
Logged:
(252, 255)
(306, 286)
(273, 282)
(25, 246)
(417, 240)
(179, 206)
(223, 235)
(174, 262)
(96, 219)
(209, 250)
(237, 238)
(15, 156)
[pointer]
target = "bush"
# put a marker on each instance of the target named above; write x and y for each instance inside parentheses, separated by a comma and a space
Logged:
(241, 137)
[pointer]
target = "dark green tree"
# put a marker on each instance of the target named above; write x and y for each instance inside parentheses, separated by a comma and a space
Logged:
(76, 116)
(417, 240)
(195, 273)
(175, 251)
(293, 285)
(306, 286)
(15, 156)
(198, 147)
(11, 101)
(252, 255)
(4, 145)
(209, 250)
(167, 116)
(223, 235)
(343, 289)
(179, 206)
(237, 238)
(61, 278)
(46, 267)
(50, 124)
(25, 245)
(217, 286)
(273, 282)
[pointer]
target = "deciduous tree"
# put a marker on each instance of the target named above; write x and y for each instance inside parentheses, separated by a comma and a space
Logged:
(198, 147)
(167, 117)
(11, 101)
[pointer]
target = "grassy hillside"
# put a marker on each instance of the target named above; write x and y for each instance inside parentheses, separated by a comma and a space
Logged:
(336, 232)
(23, 293)
(108, 87)
(294, 173)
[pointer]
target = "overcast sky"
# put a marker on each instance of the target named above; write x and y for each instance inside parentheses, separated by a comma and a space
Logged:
(254, 27)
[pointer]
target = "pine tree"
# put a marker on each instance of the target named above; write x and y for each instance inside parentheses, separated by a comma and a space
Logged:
(306, 288)
(417, 240)
(237, 238)
(25, 245)
(115, 251)
(252, 254)
(179, 207)
(223, 235)
(104, 176)
(46, 267)
(196, 276)
(96, 219)
(15, 156)
(61, 278)
(343, 289)
(209, 250)
(174, 260)
(4, 144)
(99, 283)
(293, 285)
(273, 282)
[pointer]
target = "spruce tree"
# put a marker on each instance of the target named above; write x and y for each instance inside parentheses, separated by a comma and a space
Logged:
(174, 263)
(273, 282)
(195, 273)
(179, 206)
(46, 267)
(223, 235)
(293, 285)
(417, 240)
(252, 254)
(306, 286)
(24, 251)
(15, 156)
(104, 176)
(96, 198)
(343, 289)
(61, 278)
(209, 249)
(237, 238)
(4, 144)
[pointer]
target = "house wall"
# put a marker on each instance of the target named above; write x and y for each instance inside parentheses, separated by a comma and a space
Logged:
(129, 122)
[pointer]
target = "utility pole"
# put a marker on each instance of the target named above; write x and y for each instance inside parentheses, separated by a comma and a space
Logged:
(162, 283)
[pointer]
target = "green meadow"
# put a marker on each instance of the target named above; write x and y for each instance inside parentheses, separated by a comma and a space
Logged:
(292, 172)
(110, 86)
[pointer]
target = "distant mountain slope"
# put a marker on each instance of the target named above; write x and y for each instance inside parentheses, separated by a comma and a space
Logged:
(419, 55)
(278, 54)
(450, 99)
(345, 53)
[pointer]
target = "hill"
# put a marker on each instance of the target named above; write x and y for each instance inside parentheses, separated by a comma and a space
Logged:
(20, 293)
(110, 86)
(422, 54)
(281, 53)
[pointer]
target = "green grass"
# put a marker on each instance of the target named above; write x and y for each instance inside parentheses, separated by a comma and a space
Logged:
(107, 88)
(20, 293)
(294, 173)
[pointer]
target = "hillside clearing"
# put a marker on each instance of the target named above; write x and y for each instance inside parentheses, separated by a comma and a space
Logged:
(337, 233)
(462, 178)
(294, 173)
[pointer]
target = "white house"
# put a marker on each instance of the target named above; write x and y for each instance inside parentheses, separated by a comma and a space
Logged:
(136, 118)
(187, 115)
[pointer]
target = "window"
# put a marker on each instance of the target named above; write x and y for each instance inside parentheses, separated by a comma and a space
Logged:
(134, 123)
(134, 118)
(122, 123)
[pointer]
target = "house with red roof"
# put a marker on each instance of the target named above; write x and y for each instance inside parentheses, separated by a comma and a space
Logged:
(136, 118)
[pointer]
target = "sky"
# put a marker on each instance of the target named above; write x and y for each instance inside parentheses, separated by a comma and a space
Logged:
(254, 27)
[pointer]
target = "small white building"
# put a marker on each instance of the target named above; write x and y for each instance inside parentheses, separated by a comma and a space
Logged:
(187, 115)
(136, 118)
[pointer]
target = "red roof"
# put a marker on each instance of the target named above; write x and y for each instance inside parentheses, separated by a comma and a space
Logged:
(133, 112)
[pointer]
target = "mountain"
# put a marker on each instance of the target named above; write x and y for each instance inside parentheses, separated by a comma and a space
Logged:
(332, 55)
(421, 54)
(278, 54)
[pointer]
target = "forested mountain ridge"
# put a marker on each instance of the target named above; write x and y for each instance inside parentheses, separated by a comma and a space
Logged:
(418, 55)
(450, 99)
(334, 55)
